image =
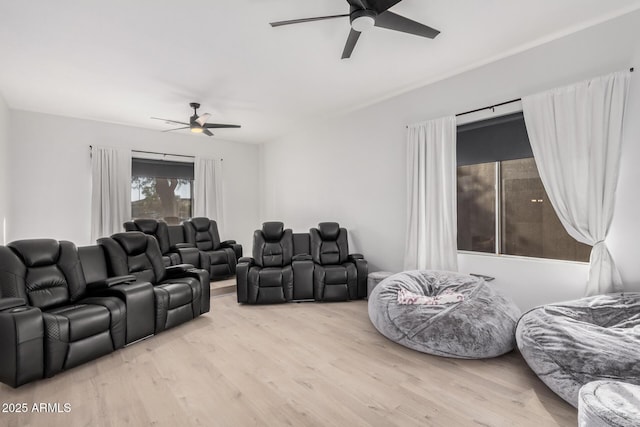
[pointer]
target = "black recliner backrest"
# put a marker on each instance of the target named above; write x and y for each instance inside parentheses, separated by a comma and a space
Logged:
(134, 253)
(272, 246)
(152, 227)
(94, 263)
(203, 233)
(329, 244)
(12, 274)
(50, 272)
(176, 234)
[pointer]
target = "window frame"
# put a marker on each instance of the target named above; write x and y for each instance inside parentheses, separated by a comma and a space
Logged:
(157, 157)
(495, 112)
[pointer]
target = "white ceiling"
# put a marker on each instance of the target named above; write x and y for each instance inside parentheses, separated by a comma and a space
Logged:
(123, 61)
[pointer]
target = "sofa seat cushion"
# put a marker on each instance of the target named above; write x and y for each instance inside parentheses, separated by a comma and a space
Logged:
(335, 275)
(177, 294)
(82, 320)
(218, 257)
(273, 276)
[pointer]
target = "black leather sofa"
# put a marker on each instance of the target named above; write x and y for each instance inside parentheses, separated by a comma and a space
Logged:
(61, 306)
(194, 242)
(314, 266)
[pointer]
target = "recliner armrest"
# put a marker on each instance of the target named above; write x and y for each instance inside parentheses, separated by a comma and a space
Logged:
(363, 269)
(178, 270)
(111, 281)
(302, 257)
(246, 260)
(231, 244)
(8, 303)
(182, 246)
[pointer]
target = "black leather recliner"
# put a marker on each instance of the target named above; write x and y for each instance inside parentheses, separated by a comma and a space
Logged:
(181, 292)
(160, 231)
(219, 258)
(268, 276)
(337, 275)
(48, 321)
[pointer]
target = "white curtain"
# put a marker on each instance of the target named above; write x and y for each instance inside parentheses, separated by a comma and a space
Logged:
(110, 190)
(207, 190)
(431, 195)
(576, 137)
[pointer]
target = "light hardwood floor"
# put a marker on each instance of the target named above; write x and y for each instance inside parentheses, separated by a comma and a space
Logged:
(307, 364)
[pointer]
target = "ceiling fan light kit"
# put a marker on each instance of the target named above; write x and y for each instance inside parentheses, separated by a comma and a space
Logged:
(363, 20)
(366, 14)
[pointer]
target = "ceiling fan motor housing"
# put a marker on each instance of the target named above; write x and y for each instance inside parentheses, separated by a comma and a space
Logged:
(362, 19)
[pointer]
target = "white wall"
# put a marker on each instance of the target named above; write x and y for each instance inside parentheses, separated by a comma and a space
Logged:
(352, 169)
(50, 173)
(4, 166)
(624, 234)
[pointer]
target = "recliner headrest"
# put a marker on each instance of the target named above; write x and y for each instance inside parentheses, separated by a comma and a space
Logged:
(37, 252)
(273, 230)
(147, 226)
(133, 242)
(201, 223)
(329, 230)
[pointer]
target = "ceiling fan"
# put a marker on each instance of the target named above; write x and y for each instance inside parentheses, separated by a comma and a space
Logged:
(366, 14)
(197, 124)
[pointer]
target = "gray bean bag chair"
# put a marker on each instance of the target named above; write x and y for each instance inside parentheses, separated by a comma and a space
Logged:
(609, 404)
(572, 343)
(481, 325)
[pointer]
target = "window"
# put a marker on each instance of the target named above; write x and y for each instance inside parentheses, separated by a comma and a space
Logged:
(502, 205)
(161, 190)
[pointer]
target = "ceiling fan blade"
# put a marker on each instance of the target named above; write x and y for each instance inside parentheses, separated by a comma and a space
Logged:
(169, 130)
(382, 5)
(170, 121)
(218, 126)
(351, 43)
(391, 21)
(203, 119)
(299, 21)
(359, 4)
(207, 132)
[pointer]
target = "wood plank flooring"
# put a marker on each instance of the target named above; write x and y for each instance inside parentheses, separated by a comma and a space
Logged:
(307, 364)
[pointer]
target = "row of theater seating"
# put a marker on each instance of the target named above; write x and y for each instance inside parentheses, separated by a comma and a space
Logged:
(289, 266)
(61, 306)
(195, 242)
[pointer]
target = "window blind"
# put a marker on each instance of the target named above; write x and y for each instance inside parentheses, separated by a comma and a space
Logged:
(161, 169)
(496, 139)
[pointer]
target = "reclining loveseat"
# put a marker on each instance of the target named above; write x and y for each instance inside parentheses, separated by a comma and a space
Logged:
(195, 241)
(314, 266)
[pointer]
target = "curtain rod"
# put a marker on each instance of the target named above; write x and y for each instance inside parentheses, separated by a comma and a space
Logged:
(156, 152)
(491, 107)
(163, 154)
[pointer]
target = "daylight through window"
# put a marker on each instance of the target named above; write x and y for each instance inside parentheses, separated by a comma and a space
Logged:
(161, 190)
